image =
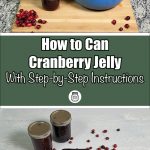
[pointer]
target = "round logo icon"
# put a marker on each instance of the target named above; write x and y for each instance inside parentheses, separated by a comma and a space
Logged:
(75, 96)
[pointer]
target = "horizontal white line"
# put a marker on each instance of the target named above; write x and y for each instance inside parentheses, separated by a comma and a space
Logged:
(46, 107)
(75, 34)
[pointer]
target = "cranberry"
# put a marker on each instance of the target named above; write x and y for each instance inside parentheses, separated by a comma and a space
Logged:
(97, 135)
(118, 129)
(107, 138)
(102, 147)
(120, 29)
(126, 26)
(29, 25)
(99, 148)
(38, 26)
(115, 146)
(44, 21)
(106, 148)
(70, 142)
(127, 18)
(105, 131)
(114, 22)
(40, 21)
(88, 141)
(71, 138)
(21, 10)
(93, 131)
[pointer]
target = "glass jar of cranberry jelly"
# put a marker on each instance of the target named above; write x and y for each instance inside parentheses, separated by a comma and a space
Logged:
(40, 133)
(61, 124)
(50, 5)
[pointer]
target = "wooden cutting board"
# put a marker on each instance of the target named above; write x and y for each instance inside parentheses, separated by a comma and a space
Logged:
(71, 17)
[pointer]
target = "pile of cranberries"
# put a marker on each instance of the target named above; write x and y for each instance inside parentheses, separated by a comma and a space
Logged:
(29, 18)
(126, 26)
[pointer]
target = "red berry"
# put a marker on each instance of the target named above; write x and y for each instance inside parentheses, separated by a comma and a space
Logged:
(102, 147)
(127, 18)
(71, 138)
(21, 10)
(40, 21)
(97, 135)
(105, 131)
(70, 142)
(114, 22)
(38, 26)
(44, 21)
(107, 138)
(99, 148)
(29, 25)
(126, 26)
(106, 148)
(115, 146)
(118, 129)
(120, 29)
(88, 141)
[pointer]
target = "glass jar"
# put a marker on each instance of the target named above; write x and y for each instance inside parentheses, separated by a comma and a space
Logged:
(61, 124)
(40, 133)
(50, 5)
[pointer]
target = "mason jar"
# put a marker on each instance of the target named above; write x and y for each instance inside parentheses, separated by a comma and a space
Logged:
(40, 133)
(61, 125)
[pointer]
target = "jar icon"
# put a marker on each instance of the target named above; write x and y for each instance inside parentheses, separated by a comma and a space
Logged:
(75, 96)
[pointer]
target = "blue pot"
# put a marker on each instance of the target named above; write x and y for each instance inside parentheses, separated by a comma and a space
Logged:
(99, 4)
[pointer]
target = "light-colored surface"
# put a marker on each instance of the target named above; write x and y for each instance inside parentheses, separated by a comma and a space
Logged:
(71, 17)
(134, 125)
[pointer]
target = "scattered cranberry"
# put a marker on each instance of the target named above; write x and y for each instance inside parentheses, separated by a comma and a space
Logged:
(115, 146)
(93, 131)
(99, 148)
(126, 26)
(40, 21)
(88, 141)
(118, 129)
(21, 10)
(114, 22)
(102, 147)
(127, 18)
(71, 138)
(120, 29)
(90, 147)
(105, 131)
(97, 135)
(106, 148)
(38, 26)
(44, 21)
(70, 142)
(107, 138)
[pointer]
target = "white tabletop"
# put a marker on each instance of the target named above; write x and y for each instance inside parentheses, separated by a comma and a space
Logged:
(134, 125)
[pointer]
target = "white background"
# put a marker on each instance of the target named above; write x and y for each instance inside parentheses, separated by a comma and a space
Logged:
(134, 125)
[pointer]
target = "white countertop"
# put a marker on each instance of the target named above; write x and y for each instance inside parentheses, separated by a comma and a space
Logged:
(134, 125)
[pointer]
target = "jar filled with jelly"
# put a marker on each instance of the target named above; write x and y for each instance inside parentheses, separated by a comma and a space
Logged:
(61, 124)
(40, 133)
(50, 5)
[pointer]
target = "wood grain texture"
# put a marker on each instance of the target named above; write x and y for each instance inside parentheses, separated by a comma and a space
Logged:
(71, 17)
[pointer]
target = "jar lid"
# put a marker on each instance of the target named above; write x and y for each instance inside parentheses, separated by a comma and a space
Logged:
(60, 117)
(39, 130)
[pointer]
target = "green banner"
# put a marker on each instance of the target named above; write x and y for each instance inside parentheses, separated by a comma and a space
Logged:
(105, 70)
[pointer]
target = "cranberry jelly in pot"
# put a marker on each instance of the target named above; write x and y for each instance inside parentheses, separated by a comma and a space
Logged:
(61, 124)
(50, 5)
(40, 133)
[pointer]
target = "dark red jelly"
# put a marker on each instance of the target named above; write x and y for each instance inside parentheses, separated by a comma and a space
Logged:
(50, 5)
(61, 124)
(40, 133)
